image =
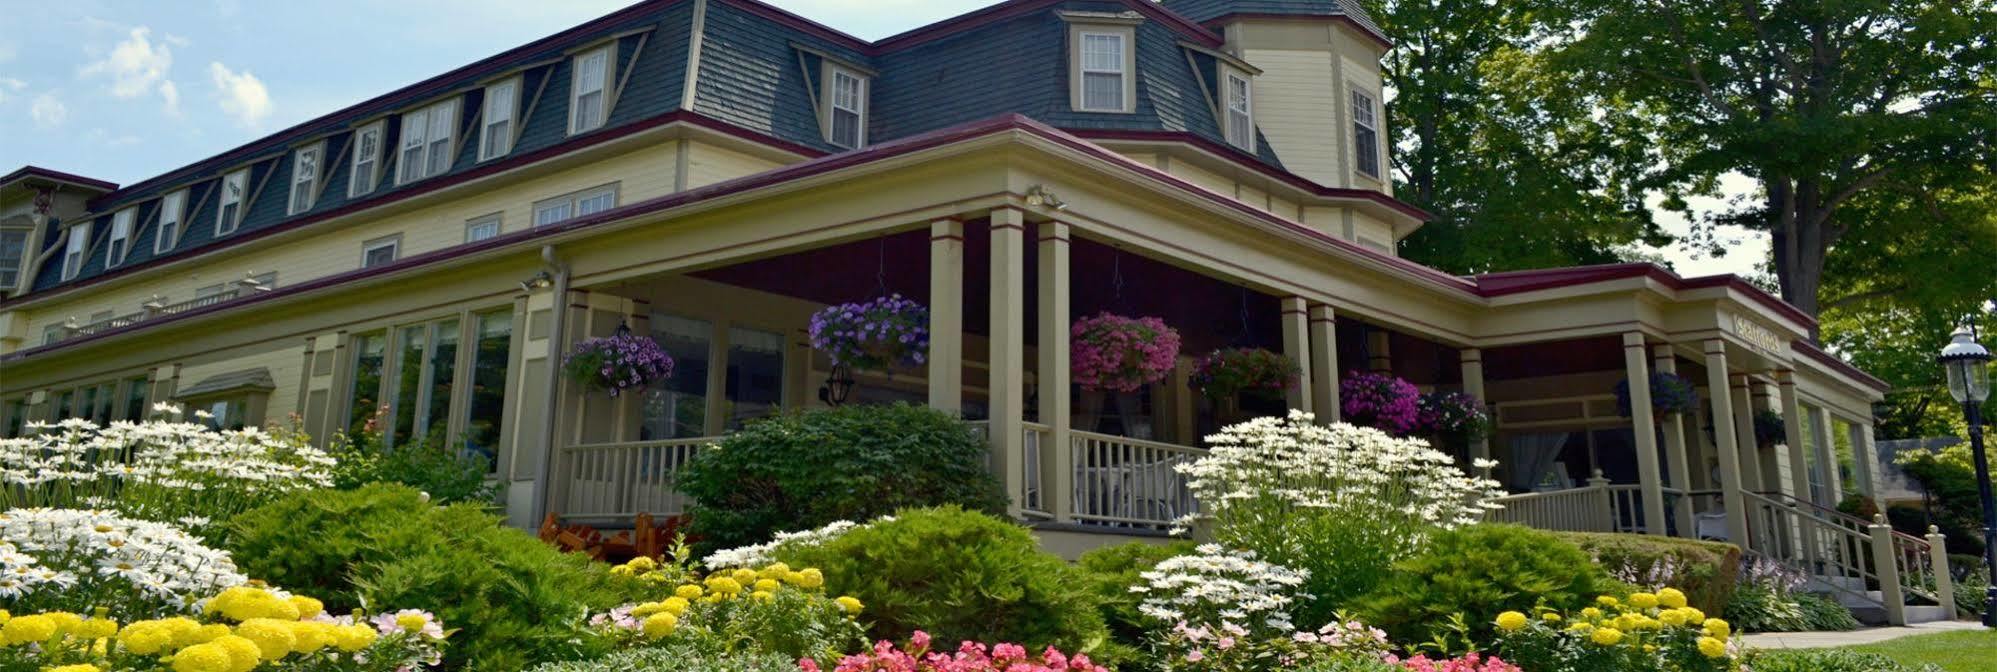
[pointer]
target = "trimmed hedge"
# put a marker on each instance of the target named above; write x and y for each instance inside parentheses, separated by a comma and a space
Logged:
(1479, 572)
(1707, 573)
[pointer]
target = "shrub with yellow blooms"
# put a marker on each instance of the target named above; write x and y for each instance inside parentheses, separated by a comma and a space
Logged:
(1642, 632)
(771, 609)
(241, 629)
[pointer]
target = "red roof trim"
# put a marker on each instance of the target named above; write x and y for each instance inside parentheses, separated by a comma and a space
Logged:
(1340, 18)
(36, 171)
(1811, 351)
(1245, 160)
(1016, 8)
(1514, 282)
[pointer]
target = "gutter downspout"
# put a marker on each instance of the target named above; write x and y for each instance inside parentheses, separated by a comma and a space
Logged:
(544, 487)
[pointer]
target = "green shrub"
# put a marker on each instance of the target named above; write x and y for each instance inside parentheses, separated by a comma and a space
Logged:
(959, 575)
(1479, 571)
(1705, 571)
(515, 600)
(676, 660)
(1822, 614)
(431, 465)
(803, 470)
(1756, 607)
(1826, 660)
(1110, 572)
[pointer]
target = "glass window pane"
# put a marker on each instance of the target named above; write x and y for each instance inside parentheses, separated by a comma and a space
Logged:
(63, 405)
(408, 383)
(597, 202)
(135, 399)
(678, 408)
(755, 374)
(443, 369)
(365, 398)
(1102, 91)
(488, 394)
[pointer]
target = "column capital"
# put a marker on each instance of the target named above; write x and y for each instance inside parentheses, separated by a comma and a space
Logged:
(1470, 355)
(1321, 312)
(1634, 339)
(1054, 231)
(1785, 377)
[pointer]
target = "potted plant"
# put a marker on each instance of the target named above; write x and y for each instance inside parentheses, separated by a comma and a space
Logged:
(1112, 353)
(1670, 393)
(1453, 418)
(1769, 428)
(877, 334)
(1228, 374)
(617, 363)
(1381, 401)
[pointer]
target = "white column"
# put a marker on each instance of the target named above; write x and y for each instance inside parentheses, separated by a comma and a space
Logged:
(1792, 426)
(1636, 364)
(1472, 360)
(1675, 458)
(1725, 440)
(1743, 424)
(946, 315)
(1296, 345)
(1865, 459)
(1379, 359)
(1008, 352)
(1827, 457)
(1324, 363)
(1057, 471)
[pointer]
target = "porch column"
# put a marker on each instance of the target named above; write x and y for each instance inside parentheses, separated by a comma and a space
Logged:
(1792, 428)
(1324, 363)
(1635, 361)
(1675, 459)
(1827, 457)
(1008, 352)
(946, 315)
(1057, 471)
(1473, 385)
(1865, 460)
(1743, 425)
(1296, 346)
(1378, 358)
(1725, 445)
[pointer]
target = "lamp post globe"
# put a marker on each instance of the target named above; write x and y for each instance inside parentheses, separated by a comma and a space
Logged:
(1968, 365)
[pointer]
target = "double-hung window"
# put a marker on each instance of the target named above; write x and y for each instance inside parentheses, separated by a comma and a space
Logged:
(120, 241)
(229, 210)
(1240, 119)
(848, 109)
(482, 228)
(72, 254)
(172, 208)
(13, 254)
(589, 95)
(381, 251)
(579, 204)
(366, 172)
(427, 136)
(305, 177)
(496, 129)
(1104, 72)
(1365, 135)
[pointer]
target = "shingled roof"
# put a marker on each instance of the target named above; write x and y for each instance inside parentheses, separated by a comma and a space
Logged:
(1204, 11)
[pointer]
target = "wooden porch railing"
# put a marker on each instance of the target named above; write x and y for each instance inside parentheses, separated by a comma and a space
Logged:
(621, 480)
(1584, 509)
(1131, 482)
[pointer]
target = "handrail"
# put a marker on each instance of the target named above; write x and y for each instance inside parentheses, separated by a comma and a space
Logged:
(626, 478)
(1839, 556)
(1847, 519)
(1121, 480)
(1583, 509)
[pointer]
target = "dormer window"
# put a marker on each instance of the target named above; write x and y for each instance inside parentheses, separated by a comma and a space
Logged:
(72, 253)
(172, 209)
(1102, 65)
(495, 136)
(305, 177)
(589, 95)
(229, 210)
(366, 172)
(1240, 119)
(13, 249)
(1365, 135)
(120, 242)
(846, 124)
(426, 142)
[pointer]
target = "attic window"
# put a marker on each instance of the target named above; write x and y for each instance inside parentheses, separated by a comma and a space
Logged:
(172, 208)
(367, 160)
(72, 255)
(589, 98)
(427, 147)
(305, 177)
(120, 242)
(496, 131)
(1240, 119)
(13, 248)
(1104, 72)
(846, 109)
(1365, 135)
(229, 210)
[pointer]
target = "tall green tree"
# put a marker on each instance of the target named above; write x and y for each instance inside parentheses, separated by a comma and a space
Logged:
(1503, 148)
(1824, 103)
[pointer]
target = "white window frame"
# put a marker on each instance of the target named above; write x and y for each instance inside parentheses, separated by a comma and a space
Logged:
(420, 138)
(391, 243)
(16, 265)
(1238, 116)
(226, 223)
(371, 160)
(1371, 122)
(315, 155)
(1125, 71)
(577, 123)
(572, 203)
(833, 106)
(495, 220)
(501, 106)
(119, 244)
(74, 251)
(172, 221)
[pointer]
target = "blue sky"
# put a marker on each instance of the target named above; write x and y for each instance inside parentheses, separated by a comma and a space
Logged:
(122, 90)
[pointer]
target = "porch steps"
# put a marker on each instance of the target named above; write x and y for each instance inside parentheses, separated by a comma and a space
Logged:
(1867, 605)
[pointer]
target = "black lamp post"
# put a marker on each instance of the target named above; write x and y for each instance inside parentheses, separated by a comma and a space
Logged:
(1969, 382)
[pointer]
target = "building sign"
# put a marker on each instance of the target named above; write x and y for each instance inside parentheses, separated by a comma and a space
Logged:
(1759, 337)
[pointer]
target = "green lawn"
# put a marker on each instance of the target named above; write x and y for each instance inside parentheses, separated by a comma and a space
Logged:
(1960, 651)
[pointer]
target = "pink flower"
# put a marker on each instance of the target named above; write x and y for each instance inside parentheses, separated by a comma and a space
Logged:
(1195, 656)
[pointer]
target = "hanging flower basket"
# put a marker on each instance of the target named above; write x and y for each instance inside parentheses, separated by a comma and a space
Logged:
(1113, 352)
(1452, 416)
(618, 363)
(875, 335)
(1222, 374)
(1381, 401)
(1669, 393)
(1770, 428)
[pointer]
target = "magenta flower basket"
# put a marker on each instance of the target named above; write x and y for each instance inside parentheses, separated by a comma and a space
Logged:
(1222, 374)
(1113, 352)
(1380, 401)
(618, 363)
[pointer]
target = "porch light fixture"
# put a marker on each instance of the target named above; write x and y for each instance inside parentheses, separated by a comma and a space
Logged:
(838, 385)
(1968, 366)
(540, 279)
(1037, 196)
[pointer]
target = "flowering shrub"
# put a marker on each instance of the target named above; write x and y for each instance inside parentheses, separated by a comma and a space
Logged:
(241, 629)
(1113, 352)
(1381, 401)
(1646, 631)
(877, 334)
(1227, 588)
(756, 555)
(771, 609)
(1225, 373)
(162, 470)
(68, 559)
(1452, 415)
(1231, 648)
(617, 363)
(1340, 502)
(1477, 572)
(1470, 662)
(1669, 393)
(970, 657)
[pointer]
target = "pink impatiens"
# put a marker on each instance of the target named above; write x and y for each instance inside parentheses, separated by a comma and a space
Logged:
(1470, 662)
(1113, 352)
(970, 657)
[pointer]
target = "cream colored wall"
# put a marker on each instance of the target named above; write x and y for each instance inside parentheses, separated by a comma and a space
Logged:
(708, 164)
(285, 361)
(1294, 98)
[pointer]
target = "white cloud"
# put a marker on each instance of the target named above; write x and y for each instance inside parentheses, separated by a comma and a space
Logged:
(241, 95)
(171, 94)
(136, 66)
(48, 112)
(10, 85)
(102, 137)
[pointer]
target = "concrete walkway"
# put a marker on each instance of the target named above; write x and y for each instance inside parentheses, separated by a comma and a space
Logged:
(1815, 640)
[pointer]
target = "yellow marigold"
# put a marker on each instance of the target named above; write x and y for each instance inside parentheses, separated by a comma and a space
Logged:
(744, 575)
(272, 637)
(767, 585)
(200, 634)
(1607, 636)
(1712, 648)
(660, 625)
(1693, 616)
(312, 635)
(209, 657)
(689, 592)
(646, 609)
(1580, 627)
(1511, 621)
(1607, 601)
(1671, 598)
(1671, 617)
(809, 578)
(1550, 617)
(1642, 600)
(775, 570)
(653, 577)
(1591, 613)
(351, 638)
(850, 605)
(146, 637)
(65, 622)
(307, 607)
(724, 585)
(4, 617)
(675, 605)
(412, 622)
(95, 628)
(1718, 628)
(243, 653)
(79, 667)
(26, 629)
(642, 564)
(622, 570)
(762, 596)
